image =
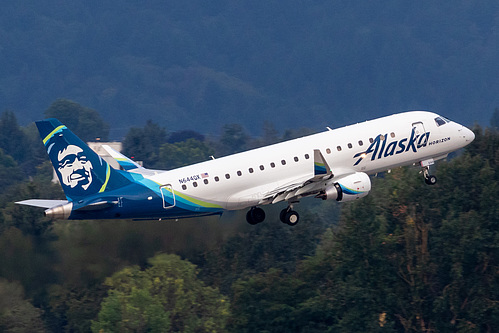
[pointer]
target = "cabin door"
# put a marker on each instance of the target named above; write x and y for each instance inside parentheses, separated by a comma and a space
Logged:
(418, 128)
(168, 196)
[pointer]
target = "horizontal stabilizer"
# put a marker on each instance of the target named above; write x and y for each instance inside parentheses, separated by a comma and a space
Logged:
(124, 162)
(42, 203)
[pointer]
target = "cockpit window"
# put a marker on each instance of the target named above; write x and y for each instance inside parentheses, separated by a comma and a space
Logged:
(440, 121)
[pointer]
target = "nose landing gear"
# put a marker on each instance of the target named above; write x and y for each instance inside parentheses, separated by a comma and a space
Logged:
(428, 178)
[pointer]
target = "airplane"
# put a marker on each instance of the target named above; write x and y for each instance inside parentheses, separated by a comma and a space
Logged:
(330, 165)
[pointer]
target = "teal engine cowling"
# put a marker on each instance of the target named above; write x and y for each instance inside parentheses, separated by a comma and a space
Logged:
(347, 188)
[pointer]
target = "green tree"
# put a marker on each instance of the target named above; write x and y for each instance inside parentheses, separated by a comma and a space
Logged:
(16, 313)
(267, 302)
(174, 155)
(137, 311)
(29, 220)
(468, 237)
(256, 249)
(166, 296)
(143, 144)
(13, 140)
(494, 121)
(349, 274)
(10, 173)
(71, 308)
(234, 139)
(86, 123)
(411, 257)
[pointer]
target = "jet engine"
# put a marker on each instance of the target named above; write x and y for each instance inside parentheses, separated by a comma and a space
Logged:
(347, 188)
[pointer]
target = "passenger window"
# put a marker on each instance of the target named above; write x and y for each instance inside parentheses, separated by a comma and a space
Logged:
(283, 162)
(339, 148)
(251, 170)
(184, 187)
(195, 184)
(361, 143)
(262, 167)
(206, 181)
(296, 159)
(307, 156)
(217, 179)
(328, 151)
(239, 173)
(227, 176)
(392, 134)
(350, 145)
(272, 165)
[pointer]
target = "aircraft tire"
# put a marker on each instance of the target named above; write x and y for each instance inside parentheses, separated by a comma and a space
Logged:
(292, 218)
(255, 215)
(431, 180)
(282, 215)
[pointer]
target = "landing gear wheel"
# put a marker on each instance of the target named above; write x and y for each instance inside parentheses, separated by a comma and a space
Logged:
(430, 180)
(290, 217)
(282, 215)
(255, 215)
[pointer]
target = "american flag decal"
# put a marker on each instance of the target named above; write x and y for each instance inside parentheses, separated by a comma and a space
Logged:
(204, 175)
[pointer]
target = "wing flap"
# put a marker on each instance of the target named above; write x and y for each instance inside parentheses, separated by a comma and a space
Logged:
(320, 177)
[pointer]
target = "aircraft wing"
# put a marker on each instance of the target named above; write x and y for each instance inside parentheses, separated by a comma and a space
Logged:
(322, 176)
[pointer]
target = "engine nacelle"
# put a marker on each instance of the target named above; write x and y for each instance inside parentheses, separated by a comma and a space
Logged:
(347, 188)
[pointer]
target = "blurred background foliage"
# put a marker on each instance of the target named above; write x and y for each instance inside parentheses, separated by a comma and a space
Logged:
(408, 257)
(205, 64)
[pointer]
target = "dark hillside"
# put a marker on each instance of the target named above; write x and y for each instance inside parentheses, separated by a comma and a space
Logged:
(201, 64)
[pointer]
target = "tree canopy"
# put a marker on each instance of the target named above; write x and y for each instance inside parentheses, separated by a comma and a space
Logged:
(406, 258)
(167, 296)
(86, 123)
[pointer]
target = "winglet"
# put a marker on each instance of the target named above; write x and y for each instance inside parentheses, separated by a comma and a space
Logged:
(321, 168)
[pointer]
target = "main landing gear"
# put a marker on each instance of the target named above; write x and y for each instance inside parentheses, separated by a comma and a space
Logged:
(289, 216)
(256, 215)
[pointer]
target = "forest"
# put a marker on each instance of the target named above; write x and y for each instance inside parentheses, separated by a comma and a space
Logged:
(198, 64)
(407, 258)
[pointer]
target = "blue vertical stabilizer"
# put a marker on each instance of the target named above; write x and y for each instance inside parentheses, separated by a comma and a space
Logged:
(81, 171)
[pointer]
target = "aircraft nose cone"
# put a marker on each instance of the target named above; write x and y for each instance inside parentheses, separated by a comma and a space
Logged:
(469, 135)
(466, 134)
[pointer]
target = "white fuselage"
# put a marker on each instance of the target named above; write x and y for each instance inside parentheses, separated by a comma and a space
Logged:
(246, 179)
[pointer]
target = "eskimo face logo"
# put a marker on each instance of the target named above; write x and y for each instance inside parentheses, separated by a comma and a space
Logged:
(75, 168)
